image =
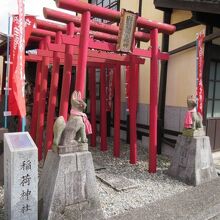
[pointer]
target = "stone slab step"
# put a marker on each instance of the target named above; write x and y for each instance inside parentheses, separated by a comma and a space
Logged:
(117, 183)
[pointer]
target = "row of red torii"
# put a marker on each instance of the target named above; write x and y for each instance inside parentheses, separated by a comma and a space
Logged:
(84, 43)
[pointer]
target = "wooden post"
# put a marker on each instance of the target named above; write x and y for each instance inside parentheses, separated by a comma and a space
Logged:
(103, 127)
(92, 93)
(154, 78)
(53, 94)
(42, 102)
(117, 109)
(67, 73)
(83, 53)
(133, 87)
(34, 117)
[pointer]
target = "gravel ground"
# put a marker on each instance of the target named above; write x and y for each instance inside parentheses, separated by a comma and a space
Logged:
(151, 187)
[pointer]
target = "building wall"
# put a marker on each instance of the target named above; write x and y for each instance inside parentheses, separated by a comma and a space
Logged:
(217, 40)
(149, 12)
(181, 77)
(130, 5)
(181, 68)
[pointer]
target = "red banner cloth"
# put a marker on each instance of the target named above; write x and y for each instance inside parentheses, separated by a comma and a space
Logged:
(21, 31)
(200, 62)
(109, 88)
(127, 86)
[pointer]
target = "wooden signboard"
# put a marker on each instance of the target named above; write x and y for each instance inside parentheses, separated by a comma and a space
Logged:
(126, 31)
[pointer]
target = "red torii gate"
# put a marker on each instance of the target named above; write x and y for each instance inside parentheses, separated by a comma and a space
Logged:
(87, 10)
(120, 58)
(123, 59)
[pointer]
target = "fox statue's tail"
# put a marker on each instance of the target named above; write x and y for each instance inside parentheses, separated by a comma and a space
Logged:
(58, 128)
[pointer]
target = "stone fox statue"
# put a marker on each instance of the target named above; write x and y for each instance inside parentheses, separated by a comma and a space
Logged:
(74, 131)
(193, 120)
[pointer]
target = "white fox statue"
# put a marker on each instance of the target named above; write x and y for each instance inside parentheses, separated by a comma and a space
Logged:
(72, 133)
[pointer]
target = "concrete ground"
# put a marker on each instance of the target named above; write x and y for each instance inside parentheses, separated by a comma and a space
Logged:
(197, 203)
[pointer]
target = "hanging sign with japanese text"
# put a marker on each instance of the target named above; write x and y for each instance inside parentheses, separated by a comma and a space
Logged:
(109, 88)
(127, 28)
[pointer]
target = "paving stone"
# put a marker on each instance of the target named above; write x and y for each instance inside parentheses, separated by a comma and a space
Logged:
(116, 182)
(98, 166)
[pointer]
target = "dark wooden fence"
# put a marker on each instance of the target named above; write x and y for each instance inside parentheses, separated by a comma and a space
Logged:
(213, 131)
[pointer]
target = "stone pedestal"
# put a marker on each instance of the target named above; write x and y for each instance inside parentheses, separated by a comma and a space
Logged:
(20, 177)
(67, 188)
(2, 131)
(192, 160)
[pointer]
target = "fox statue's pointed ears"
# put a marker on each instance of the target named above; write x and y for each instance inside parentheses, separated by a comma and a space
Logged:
(76, 95)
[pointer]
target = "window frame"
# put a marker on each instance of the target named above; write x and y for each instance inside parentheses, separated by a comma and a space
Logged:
(111, 4)
(213, 98)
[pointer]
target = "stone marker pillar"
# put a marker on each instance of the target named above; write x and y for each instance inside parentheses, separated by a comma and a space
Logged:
(20, 176)
(2, 131)
(192, 160)
(67, 188)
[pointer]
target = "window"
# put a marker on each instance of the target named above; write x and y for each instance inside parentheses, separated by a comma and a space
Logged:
(111, 4)
(213, 108)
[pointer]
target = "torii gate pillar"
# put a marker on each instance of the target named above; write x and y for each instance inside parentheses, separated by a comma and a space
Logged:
(154, 78)
(53, 94)
(42, 102)
(103, 127)
(117, 109)
(83, 53)
(92, 93)
(133, 100)
(36, 96)
(67, 74)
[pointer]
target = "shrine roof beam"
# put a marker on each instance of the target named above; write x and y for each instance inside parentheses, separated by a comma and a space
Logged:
(92, 54)
(112, 15)
(92, 61)
(95, 26)
(35, 38)
(104, 46)
(51, 26)
(42, 33)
